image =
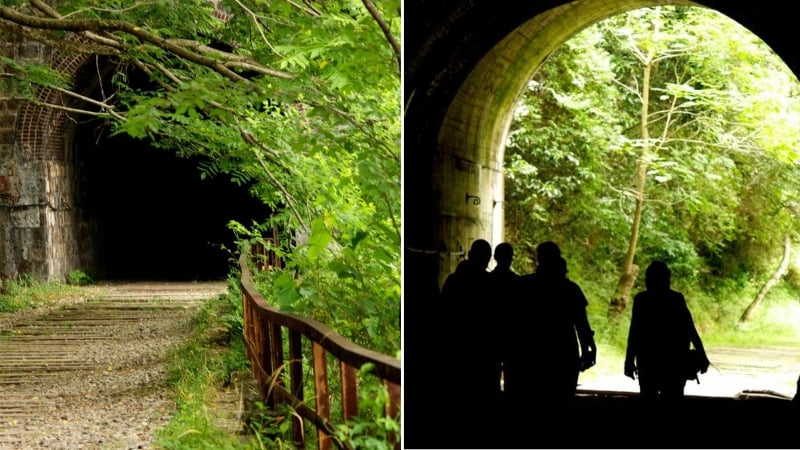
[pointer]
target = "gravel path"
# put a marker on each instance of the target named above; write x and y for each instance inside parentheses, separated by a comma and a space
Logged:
(91, 374)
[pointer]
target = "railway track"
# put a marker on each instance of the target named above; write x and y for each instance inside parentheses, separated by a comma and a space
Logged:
(93, 374)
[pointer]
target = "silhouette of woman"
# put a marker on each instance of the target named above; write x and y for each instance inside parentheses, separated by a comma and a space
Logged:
(661, 333)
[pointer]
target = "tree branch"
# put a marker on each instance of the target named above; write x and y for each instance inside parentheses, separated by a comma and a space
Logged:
(253, 144)
(102, 25)
(280, 186)
(388, 151)
(385, 28)
(103, 40)
(109, 109)
(65, 44)
(310, 10)
(232, 60)
(258, 26)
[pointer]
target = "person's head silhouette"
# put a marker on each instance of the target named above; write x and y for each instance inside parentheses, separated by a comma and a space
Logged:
(657, 276)
(503, 254)
(547, 253)
(480, 253)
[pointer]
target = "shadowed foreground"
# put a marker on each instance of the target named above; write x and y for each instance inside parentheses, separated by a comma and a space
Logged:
(617, 420)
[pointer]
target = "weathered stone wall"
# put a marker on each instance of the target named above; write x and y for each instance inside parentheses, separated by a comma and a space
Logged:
(38, 226)
(21, 200)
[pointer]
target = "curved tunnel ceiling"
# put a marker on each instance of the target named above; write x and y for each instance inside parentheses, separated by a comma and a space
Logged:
(466, 66)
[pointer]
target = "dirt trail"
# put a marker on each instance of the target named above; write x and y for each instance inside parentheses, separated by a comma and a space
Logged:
(92, 373)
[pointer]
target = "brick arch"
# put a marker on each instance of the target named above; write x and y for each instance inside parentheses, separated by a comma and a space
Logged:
(41, 131)
(42, 231)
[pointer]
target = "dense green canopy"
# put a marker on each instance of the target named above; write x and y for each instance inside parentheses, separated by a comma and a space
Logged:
(297, 100)
(663, 133)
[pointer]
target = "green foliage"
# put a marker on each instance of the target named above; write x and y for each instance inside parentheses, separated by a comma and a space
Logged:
(26, 292)
(79, 278)
(792, 278)
(371, 429)
(21, 79)
(300, 102)
(721, 184)
(271, 428)
(200, 369)
(325, 157)
(722, 181)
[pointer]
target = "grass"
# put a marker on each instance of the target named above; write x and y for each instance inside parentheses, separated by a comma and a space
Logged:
(26, 293)
(198, 371)
(202, 368)
(716, 315)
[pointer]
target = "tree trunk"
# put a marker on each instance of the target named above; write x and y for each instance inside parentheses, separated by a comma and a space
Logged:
(623, 292)
(748, 312)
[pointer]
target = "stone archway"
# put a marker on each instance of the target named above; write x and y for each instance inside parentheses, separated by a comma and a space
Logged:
(37, 221)
(157, 220)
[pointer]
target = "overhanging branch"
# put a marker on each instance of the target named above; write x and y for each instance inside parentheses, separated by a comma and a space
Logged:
(220, 62)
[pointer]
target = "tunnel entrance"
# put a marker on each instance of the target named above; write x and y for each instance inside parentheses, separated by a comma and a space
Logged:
(149, 214)
(145, 212)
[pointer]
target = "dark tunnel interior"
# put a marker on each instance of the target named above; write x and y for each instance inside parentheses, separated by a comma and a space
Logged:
(150, 215)
(146, 214)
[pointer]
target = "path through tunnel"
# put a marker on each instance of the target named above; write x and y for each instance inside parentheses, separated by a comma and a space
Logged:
(149, 214)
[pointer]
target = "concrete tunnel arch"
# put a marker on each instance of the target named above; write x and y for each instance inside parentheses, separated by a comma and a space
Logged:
(459, 109)
(471, 141)
(466, 64)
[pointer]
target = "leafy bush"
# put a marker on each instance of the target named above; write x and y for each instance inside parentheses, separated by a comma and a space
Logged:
(371, 429)
(79, 278)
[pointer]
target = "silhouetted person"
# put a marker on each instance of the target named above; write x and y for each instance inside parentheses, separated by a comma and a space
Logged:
(552, 344)
(467, 376)
(503, 293)
(661, 333)
(796, 398)
(504, 256)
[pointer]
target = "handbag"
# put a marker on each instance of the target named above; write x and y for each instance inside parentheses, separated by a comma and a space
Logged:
(696, 363)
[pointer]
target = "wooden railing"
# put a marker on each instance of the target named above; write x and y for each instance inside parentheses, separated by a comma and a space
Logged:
(263, 252)
(265, 332)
